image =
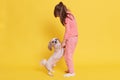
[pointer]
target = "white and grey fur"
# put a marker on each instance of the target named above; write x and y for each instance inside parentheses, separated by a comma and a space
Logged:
(56, 56)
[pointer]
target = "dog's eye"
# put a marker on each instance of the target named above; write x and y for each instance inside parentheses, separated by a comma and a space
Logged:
(55, 41)
(52, 41)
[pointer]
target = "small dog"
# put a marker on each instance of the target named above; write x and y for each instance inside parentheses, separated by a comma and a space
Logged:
(58, 53)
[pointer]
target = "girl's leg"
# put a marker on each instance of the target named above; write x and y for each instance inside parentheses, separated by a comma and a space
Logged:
(69, 50)
(69, 61)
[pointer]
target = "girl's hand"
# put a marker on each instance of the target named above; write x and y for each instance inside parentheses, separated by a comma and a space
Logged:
(63, 43)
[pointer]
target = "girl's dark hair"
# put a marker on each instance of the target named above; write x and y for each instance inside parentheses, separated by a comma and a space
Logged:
(61, 11)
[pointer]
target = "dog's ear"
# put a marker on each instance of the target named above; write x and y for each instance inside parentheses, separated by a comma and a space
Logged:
(50, 46)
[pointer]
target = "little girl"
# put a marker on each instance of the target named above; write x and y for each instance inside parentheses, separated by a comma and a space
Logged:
(70, 36)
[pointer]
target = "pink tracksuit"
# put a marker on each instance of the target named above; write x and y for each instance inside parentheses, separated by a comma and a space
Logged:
(71, 37)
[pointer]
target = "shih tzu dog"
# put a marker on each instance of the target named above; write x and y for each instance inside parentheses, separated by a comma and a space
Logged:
(56, 56)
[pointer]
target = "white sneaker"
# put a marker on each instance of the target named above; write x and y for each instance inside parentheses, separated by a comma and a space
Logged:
(69, 74)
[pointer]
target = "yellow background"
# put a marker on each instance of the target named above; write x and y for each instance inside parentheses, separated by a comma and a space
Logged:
(26, 26)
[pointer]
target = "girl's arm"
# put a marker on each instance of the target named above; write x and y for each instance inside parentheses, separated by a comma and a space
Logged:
(67, 26)
(63, 43)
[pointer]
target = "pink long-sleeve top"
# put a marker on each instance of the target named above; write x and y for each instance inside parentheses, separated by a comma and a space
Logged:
(70, 27)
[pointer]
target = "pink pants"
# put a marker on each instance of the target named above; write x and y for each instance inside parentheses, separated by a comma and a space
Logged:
(69, 50)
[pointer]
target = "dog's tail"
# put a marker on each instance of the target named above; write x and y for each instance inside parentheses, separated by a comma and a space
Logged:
(43, 62)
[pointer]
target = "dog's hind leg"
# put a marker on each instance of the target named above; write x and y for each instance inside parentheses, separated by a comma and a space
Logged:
(50, 72)
(54, 65)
